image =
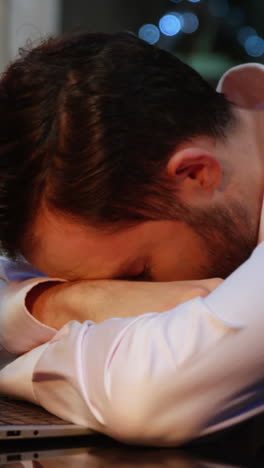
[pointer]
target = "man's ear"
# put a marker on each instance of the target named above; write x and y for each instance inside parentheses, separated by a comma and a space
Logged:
(195, 172)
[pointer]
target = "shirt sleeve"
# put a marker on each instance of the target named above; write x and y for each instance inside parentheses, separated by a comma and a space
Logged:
(156, 379)
(19, 331)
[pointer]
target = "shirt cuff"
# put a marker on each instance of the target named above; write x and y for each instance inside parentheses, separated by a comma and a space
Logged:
(19, 330)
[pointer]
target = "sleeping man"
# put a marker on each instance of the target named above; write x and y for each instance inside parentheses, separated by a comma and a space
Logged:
(125, 182)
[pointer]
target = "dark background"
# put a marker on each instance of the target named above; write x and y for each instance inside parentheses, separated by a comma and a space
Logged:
(227, 32)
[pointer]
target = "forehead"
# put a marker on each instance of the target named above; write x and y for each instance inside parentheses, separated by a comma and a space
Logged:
(59, 244)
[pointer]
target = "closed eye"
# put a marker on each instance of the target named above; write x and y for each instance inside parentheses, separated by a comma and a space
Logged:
(144, 275)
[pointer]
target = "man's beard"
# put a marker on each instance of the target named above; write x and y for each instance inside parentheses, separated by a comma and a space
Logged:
(229, 236)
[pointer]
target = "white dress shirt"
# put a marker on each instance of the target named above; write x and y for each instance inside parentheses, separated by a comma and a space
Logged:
(156, 379)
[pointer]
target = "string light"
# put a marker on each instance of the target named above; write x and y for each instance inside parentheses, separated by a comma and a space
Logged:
(170, 24)
(149, 33)
(190, 23)
(254, 46)
(244, 33)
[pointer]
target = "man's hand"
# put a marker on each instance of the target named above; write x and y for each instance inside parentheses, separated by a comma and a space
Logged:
(54, 304)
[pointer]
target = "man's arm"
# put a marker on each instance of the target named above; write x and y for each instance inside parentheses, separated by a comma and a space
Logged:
(55, 304)
(26, 294)
(157, 379)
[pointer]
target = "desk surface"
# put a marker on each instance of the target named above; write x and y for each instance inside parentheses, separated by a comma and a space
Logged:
(240, 446)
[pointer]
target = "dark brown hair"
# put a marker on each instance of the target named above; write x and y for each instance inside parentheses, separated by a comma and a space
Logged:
(87, 124)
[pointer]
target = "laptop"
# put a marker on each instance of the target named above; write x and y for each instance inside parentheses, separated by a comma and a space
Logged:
(20, 419)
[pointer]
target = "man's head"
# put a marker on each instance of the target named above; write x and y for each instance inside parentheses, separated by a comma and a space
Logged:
(114, 152)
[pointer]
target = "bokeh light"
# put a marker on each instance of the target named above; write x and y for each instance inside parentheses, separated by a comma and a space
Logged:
(190, 23)
(254, 46)
(149, 33)
(170, 24)
(194, 1)
(244, 33)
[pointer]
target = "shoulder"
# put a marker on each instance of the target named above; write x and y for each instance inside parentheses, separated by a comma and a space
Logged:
(243, 85)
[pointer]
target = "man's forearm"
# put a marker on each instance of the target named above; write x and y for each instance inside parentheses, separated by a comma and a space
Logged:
(55, 304)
